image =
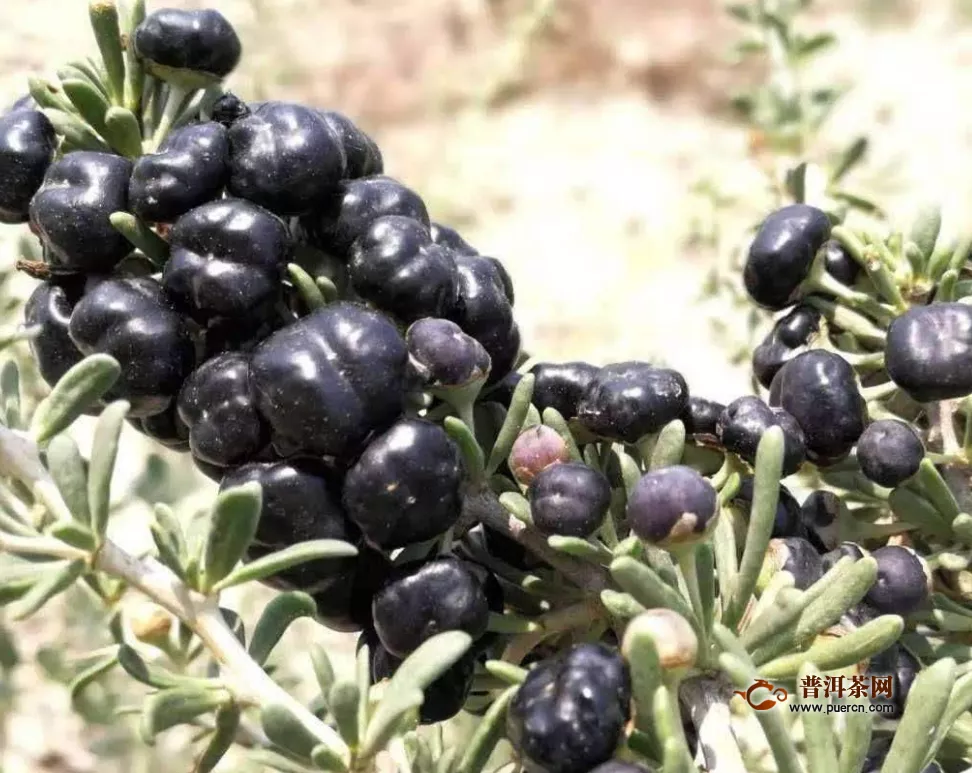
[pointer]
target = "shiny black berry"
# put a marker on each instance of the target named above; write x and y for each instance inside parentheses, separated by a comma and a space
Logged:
(71, 209)
(347, 213)
(819, 389)
(298, 504)
(166, 428)
(903, 582)
(569, 713)
(228, 109)
(284, 157)
(217, 405)
(820, 513)
(788, 521)
(344, 604)
(840, 265)
(743, 422)
(49, 308)
(406, 485)
(796, 556)
(701, 417)
(440, 355)
(361, 151)
(227, 260)
(902, 667)
(628, 400)
(929, 351)
(199, 42)
(782, 253)
(27, 145)
(449, 237)
(395, 266)
(130, 320)
(485, 311)
(789, 336)
(188, 170)
(561, 385)
(845, 549)
(423, 599)
(671, 506)
(330, 379)
(889, 452)
(569, 499)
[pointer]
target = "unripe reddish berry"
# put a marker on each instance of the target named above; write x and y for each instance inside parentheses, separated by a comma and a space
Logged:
(535, 450)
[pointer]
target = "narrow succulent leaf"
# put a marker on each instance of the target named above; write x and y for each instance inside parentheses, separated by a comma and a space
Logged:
(513, 424)
(90, 675)
(363, 680)
(630, 547)
(772, 721)
(123, 132)
(235, 517)
(924, 710)
(669, 446)
(516, 505)
(90, 103)
(646, 676)
(909, 507)
(286, 731)
(705, 571)
(309, 292)
(328, 290)
(278, 615)
(16, 588)
(57, 579)
(675, 758)
(134, 72)
(10, 394)
(227, 724)
(274, 563)
(856, 740)
(766, 494)
(580, 548)
(726, 554)
(508, 623)
(472, 454)
(818, 731)
(141, 236)
(668, 726)
(169, 539)
(959, 702)
(552, 418)
(68, 469)
(488, 734)
(648, 588)
(506, 672)
(274, 761)
(390, 714)
(622, 605)
(323, 670)
(107, 31)
(937, 490)
(324, 757)
(177, 706)
(343, 701)
(75, 534)
(9, 653)
(156, 676)
(76, 391)
(50, 96)
(962, 527)
(103, 453)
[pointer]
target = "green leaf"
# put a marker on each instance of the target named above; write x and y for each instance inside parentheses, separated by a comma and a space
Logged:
(274, 563)
(849, 159)
(668, 727)
(274, 761)
(472, 454)
(9, 654)
(937, 490)
(924, 709)
(10, 394)
(287, 731)
(15, 582)
(309, 292)
(641, 654)
(766, 494)
(104, 22)
(90, 103)
(103, 453)
(393, 710)
(848, 650)
(74, 534)
(505, 672)
(516, 505)
(141, 236)
(513, 424)
(222, 739)
(124, 134)
(69, 471)
(911, 508)
(169, 539)
(807, 47)
(325, 758)
(552, 418)
(343, 700)
(323, 670)
(57, 579)
(818, 730)
(669, 446)
(925, 229)
(856, 740)
(649, 589)
(177, 706)
(580, 548)
(76, 391)
(363, 681)
(233, 526)
(278, 615)
(91, 674)
(156, 676)
(488, 733)
(621, 605)
(327, 288)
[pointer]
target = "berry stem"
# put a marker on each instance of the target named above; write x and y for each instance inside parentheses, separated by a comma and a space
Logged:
(170, 113)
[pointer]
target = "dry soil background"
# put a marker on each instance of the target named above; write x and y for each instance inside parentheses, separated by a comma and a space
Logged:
(566, 137)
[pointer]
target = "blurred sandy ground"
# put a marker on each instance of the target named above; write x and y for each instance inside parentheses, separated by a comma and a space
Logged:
(566, 138)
